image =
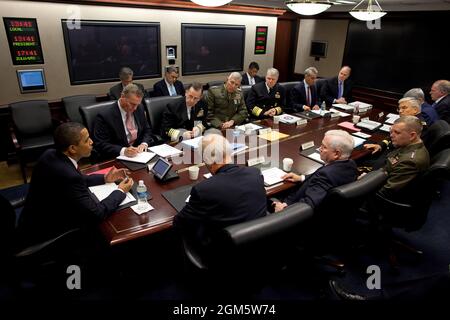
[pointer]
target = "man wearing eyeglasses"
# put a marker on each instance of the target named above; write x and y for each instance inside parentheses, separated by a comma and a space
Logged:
(226, 106)
(170, 85)
(186, 118)
(123, 129)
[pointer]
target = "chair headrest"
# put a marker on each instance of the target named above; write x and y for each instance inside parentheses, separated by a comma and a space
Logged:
(270, 225)
(364, 186)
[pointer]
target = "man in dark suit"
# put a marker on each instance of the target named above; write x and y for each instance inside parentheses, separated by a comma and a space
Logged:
(338, 89)
(123, 129)
(126, 77)
(440, 94)
(335, 150)
(59, 199)
(250, 77)
(304, 95)
(232, 195)
(185, 119)
(169, 86)
(427, 112)
(266, 99)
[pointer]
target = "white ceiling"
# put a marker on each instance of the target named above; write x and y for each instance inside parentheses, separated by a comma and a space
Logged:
(387, 5)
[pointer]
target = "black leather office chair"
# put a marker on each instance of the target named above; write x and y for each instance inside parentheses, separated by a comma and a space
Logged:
(288, 87)
(186, 85)
(72, 105)
(154, 108)
(319, 86)
(215, 83)
(90, 112)
(412, 214)
(242, 247)
(245, 91)
(149, 92)
(32, 131)
(437, 137)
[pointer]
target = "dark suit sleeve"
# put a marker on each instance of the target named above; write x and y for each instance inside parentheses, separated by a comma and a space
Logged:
(102, 134)
(114, 93)
(315, 192)
(326, 93)
(84, 201)
(251, 99)
(157, 90)
(169, 120)
(296, 99)
(193, 213)
(348, 88)
(94, 179)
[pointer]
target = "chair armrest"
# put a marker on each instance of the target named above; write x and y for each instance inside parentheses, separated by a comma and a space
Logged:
(385, 202)
(193, 256)
(37, 248)
(14, 139)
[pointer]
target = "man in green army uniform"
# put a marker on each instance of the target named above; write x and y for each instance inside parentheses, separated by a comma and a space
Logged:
(226, 106)
(409, 159)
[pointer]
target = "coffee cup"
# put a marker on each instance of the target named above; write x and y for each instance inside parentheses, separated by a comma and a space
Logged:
(287, 164)
(355, 119)
(193, 172)
(276, 119)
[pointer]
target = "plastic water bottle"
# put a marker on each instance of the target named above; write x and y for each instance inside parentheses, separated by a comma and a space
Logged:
(142, 195)
(323, 106)
(356, 109)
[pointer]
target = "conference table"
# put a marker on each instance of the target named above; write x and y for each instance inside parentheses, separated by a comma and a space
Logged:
(125, 225)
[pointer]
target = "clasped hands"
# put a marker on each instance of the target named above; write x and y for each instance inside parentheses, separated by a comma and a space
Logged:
(120, 174)
(133, 151)
(271, 112)
(308, 108)
(227, 124)
(372, 147)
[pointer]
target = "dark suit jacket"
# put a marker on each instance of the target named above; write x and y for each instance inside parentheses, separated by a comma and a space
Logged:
(160, 88)
(429, 114)
(259, 97)
(59, 199)
(234, 194)
(245, 82)
(315, 187)
(116, 91)
(443, 108)
(298, 97)
(175, 116)
(109, 132)
(329, 91)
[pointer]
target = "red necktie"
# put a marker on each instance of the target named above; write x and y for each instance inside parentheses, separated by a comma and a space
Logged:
(131, 128)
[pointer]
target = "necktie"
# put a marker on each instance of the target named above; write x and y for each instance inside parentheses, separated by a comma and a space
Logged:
(308, 96)
(130, 127)
(173, 92)
(340, 89)
(252, 81)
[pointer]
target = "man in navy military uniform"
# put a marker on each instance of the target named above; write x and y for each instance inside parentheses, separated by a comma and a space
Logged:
(266, 99)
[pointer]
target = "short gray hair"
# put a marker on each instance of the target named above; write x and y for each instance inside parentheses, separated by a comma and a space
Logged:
(215, 147)
(273, 72)
(443, 86)
(415, 93)
(235, 75)
(132, 89)
(125, 72)
(412, 123)
(311, 71)
(341, 140)
(171, 69)
(413, 102)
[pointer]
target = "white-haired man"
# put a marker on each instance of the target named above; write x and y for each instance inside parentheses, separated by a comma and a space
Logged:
(440, 93)
(335, 150)
(232, 195)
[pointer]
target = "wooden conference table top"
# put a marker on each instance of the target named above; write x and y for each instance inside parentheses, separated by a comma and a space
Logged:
(125, 225)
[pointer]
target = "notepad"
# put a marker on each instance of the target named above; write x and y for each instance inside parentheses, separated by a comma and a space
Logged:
(273, 136)
(287, 118)
(142, 157)
(248, 126)
(104, 190)
(358, 141)
(237, 147)
(272, 176)
(348, 125)
(316, 157)
(192, 143)
(101, 171)
(164, 150)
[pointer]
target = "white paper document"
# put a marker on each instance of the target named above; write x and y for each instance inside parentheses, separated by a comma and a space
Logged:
(104, 190)
(361, 135)
(142, 157)
(164, 150)
(390, 118)
(248, 126)
(345, 107)
(320, 112)
(193, 143)
(385, 128)
(361, 105)
(341, 114)
(237, 147)
(272, 176)
(316, 157)
(287, 118)
(358, 141)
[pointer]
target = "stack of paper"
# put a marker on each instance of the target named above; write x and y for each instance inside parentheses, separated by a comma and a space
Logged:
(345, 107)
(341, 114)
(272, 176)
(104, 190)
(248, 126)
(348, 125)
(237, 147)
(386, 128)
(391, 117)
(357, 141)
(287, 118)
(142, 157)
(164, 150)
(316, 157)
(273, 136)
(320, 112)
(192, 143)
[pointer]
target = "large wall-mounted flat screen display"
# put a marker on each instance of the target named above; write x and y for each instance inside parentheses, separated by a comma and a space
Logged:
(212, 48)
(96, 50)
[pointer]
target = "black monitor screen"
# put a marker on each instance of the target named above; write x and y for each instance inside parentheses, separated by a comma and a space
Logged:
(318, 49)
(31, 80)
(96, 50)
(212, 48)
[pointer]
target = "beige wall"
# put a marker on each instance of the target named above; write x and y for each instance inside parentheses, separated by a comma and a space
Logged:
(332, 31)
(49, 17)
